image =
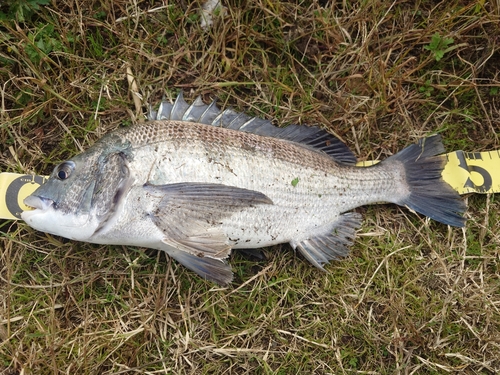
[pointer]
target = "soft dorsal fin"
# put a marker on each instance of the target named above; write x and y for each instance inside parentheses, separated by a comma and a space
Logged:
(198, 111)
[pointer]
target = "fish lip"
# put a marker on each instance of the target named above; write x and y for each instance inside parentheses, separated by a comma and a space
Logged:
(38, 202)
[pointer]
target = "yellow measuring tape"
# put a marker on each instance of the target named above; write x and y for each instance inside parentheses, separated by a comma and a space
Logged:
(14, 187)
(466, 172)
(473, 172)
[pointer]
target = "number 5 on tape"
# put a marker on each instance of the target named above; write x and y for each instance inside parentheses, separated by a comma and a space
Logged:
(473, 172)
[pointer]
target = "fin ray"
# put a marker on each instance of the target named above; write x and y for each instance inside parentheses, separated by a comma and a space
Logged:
(179, 108)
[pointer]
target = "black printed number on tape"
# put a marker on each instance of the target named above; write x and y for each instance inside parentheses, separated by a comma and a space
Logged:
(487, 180)
(12, 193)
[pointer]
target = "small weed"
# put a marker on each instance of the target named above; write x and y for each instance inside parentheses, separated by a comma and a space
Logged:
(439, 46)
(42, 42)
(100, 15)
(20, 10)
(426, 89)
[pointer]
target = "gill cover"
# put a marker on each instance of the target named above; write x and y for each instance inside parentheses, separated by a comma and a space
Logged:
(112, 184)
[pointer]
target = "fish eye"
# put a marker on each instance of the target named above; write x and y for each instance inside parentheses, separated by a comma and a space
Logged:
(64, 170)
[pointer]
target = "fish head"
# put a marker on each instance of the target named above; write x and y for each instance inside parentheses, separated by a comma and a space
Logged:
(81, 193)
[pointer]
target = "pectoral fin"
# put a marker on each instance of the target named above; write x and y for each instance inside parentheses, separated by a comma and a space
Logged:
(191, 215)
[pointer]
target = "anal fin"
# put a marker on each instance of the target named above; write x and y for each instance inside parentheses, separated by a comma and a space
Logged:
(321, 249)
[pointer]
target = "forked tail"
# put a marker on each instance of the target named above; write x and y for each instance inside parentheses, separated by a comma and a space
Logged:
(429, 194)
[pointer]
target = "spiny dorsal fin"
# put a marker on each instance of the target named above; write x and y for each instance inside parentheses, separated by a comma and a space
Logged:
(309, 136)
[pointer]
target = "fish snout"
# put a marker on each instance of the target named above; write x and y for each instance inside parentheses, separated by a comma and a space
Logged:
(38, 202)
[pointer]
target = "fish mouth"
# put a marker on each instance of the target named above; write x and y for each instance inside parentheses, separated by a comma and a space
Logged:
(37, 202)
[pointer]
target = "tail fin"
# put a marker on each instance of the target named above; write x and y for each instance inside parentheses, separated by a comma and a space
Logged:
(429, 194)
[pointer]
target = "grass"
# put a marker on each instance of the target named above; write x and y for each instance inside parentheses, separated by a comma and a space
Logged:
(414, 297)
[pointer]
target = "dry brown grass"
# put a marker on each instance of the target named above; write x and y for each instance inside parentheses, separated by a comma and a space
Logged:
(414, 297)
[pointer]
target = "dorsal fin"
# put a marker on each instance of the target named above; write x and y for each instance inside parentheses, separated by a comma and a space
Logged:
(309, 136)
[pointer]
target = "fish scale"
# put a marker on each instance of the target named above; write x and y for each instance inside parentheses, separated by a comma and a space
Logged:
(197, 182)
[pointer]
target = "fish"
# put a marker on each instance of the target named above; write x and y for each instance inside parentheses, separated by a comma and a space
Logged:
(197, 182)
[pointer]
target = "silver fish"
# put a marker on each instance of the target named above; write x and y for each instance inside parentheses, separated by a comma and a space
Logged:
(197, 182)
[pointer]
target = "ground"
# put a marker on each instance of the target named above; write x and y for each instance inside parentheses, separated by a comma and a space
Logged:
(413, 297)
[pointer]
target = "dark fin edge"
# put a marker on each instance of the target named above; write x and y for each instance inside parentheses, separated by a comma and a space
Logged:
(310, 136)
(252, 254)
(429, 194)
(215, 270)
